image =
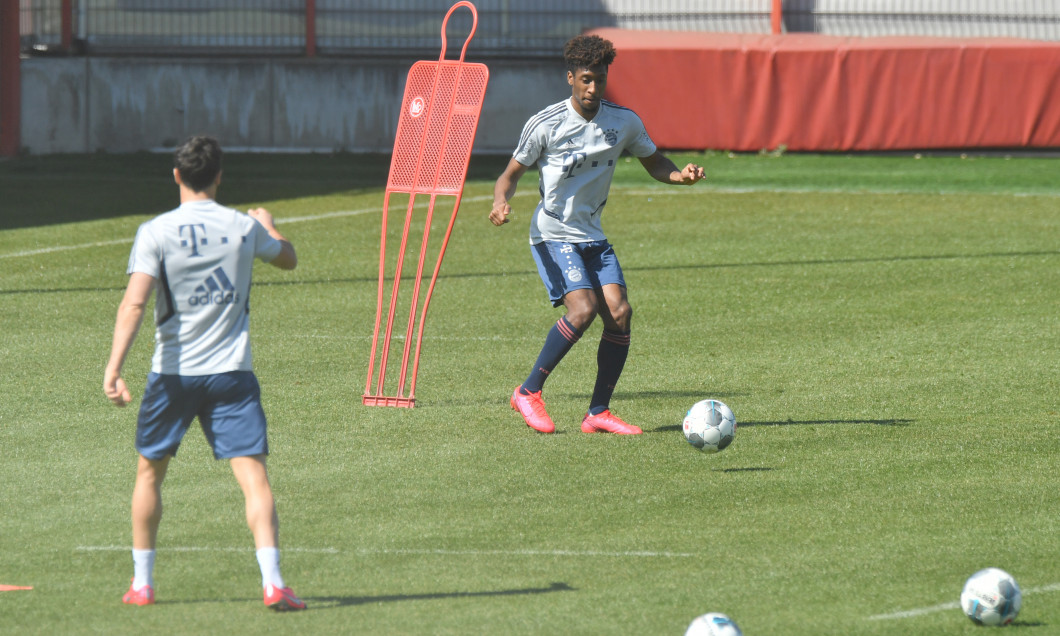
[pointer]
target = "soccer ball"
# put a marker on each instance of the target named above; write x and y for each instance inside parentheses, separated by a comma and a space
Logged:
(713, 624)
(991, 597)
(709, 426)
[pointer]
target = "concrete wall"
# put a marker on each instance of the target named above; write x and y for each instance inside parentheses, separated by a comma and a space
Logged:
(90, 104)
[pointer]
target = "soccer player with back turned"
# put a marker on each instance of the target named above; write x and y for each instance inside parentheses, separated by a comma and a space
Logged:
(199, 257)
(576, 144)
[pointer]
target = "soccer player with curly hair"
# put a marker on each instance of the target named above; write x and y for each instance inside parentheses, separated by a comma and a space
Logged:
(576, 144)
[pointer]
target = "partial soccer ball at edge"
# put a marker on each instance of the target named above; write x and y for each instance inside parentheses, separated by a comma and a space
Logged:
(713, 624)
(709, 426)
(991, 597)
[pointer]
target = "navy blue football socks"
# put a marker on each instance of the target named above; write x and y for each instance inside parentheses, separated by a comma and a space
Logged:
(610, 358)
(559, 341)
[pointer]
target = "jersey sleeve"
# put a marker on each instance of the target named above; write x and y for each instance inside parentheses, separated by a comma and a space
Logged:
(146, 254)
(640, 144)
(266, 248)
(532, 143)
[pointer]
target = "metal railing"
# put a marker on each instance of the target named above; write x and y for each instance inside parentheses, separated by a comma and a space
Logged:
(507, 28)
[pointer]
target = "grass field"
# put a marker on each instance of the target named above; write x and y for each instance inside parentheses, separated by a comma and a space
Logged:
(884, 328)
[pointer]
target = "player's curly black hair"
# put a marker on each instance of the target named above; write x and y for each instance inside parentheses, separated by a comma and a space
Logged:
(199, 162)
(588, 51)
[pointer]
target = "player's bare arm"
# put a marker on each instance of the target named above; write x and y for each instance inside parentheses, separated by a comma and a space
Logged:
(287, 258)
(504, 190)
(661, 168)
(126, 326)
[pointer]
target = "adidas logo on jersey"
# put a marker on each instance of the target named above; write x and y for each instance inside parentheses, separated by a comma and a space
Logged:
(217, 289)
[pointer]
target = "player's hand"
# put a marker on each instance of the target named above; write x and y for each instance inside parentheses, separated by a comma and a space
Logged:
(115, 389)
(692, 173)
(261, 215)
(499, 213)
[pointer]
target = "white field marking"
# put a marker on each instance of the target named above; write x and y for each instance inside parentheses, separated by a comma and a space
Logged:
(293, 219)
(401, 336)
(661, 190)
(63, 248)
(425, 552)
(564, 553)
(920, 611)
(123, 548)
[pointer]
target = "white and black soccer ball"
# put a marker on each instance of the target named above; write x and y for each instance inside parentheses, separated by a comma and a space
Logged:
(709, 426)
(713, 624)
(991, 597)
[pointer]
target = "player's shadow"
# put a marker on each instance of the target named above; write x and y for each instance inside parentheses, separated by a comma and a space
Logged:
(689, 393)
(790, 422)
(329, 602)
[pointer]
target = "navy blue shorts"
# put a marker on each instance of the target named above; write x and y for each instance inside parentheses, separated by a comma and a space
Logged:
(564, 267)
(228, 406)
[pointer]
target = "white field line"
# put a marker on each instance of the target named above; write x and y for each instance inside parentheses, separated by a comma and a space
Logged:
(284, 220)
(401, 336)
(63, 248)
(920, 611)
(564, 553)
(125, 548)
(660, 190)
(423, 552)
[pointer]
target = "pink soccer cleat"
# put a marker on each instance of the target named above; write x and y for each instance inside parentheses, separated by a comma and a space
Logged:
(607, 422)
(532, 408)
(143, 596)
(282, 599)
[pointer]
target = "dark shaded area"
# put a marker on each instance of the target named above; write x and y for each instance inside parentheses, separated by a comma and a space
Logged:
(800, 16)
(749, 469)
(894, 422)
(527, 272)
(111, 186)
(345, 601)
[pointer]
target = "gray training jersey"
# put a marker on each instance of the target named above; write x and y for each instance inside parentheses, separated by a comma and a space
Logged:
(201, 255)
(576, 161)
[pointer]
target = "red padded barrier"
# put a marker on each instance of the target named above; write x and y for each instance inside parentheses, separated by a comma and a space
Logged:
(808, 92)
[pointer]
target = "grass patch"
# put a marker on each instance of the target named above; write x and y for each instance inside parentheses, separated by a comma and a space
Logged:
(883, 327)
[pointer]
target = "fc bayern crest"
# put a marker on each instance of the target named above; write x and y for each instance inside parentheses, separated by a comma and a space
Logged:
(574, 274)
(417, 107)
(611, 136)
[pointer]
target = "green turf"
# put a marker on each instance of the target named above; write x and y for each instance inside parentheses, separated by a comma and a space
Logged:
(884, 329)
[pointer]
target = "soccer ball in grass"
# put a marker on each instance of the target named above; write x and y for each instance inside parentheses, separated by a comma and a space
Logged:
(709, 426)
(991, 597)
(713, 624)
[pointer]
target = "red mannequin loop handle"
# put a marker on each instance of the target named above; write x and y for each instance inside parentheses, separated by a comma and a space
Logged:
(474, 25)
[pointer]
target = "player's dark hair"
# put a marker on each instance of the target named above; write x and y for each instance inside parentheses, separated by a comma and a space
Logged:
(198, 160)
(588, 51)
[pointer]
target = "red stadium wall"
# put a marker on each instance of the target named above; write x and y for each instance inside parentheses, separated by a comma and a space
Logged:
(809, 92)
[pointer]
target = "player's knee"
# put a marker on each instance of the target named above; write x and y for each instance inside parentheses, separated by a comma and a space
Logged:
(622, 316)
(581, 310)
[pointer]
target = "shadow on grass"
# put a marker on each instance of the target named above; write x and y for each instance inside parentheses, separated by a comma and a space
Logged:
(469, 275)
(45, 190)
(688, 394)
(329, 602)
(895, 422)
(749, 469)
